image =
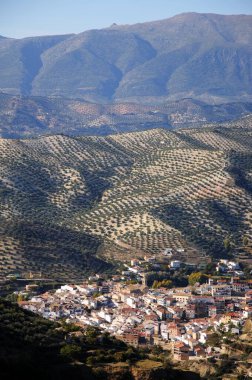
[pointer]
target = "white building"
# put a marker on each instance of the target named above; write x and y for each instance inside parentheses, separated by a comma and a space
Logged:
(175, 264)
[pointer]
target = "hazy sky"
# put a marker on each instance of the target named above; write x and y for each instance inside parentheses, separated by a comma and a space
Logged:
(21, 18)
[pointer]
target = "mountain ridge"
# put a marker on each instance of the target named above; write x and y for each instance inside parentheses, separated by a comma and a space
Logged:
(203, 56)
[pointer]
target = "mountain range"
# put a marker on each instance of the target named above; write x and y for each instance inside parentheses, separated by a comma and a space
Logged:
(200, 56)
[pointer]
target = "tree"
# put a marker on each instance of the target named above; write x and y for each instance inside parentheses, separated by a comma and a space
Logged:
(227, 244)
(247, 328)
(183, 316)
(70, 351)
(197, 277)
(245, 240)
(211, 268)
(155, 284)
(157, 350)
(91, 360)
(91, 335)
(119, 356)
(213, 340)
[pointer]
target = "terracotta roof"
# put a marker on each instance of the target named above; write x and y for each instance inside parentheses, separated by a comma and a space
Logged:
(179, 345)
(198, 349)
(235, 315)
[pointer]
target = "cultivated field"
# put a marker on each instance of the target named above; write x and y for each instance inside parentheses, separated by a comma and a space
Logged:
(68, 205)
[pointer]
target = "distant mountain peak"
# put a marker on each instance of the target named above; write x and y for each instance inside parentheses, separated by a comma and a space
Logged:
(202, 56)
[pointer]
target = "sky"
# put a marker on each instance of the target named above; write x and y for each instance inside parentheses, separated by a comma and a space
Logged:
(23, 18)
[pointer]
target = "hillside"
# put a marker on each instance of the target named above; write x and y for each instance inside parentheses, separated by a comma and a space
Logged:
(69, 204)
(33, 116)
(30, 346)
(22, 117)
(201, 56)
(34, 347)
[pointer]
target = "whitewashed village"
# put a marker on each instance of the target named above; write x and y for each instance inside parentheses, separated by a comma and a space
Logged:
(178, 319)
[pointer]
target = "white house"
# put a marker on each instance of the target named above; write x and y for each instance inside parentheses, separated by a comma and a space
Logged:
(175, 264)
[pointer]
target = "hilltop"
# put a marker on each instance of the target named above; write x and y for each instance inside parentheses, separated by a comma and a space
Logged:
(74, 205)
(200, 56)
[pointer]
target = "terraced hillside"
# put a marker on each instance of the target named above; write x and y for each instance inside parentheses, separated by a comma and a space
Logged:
(70, 206)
